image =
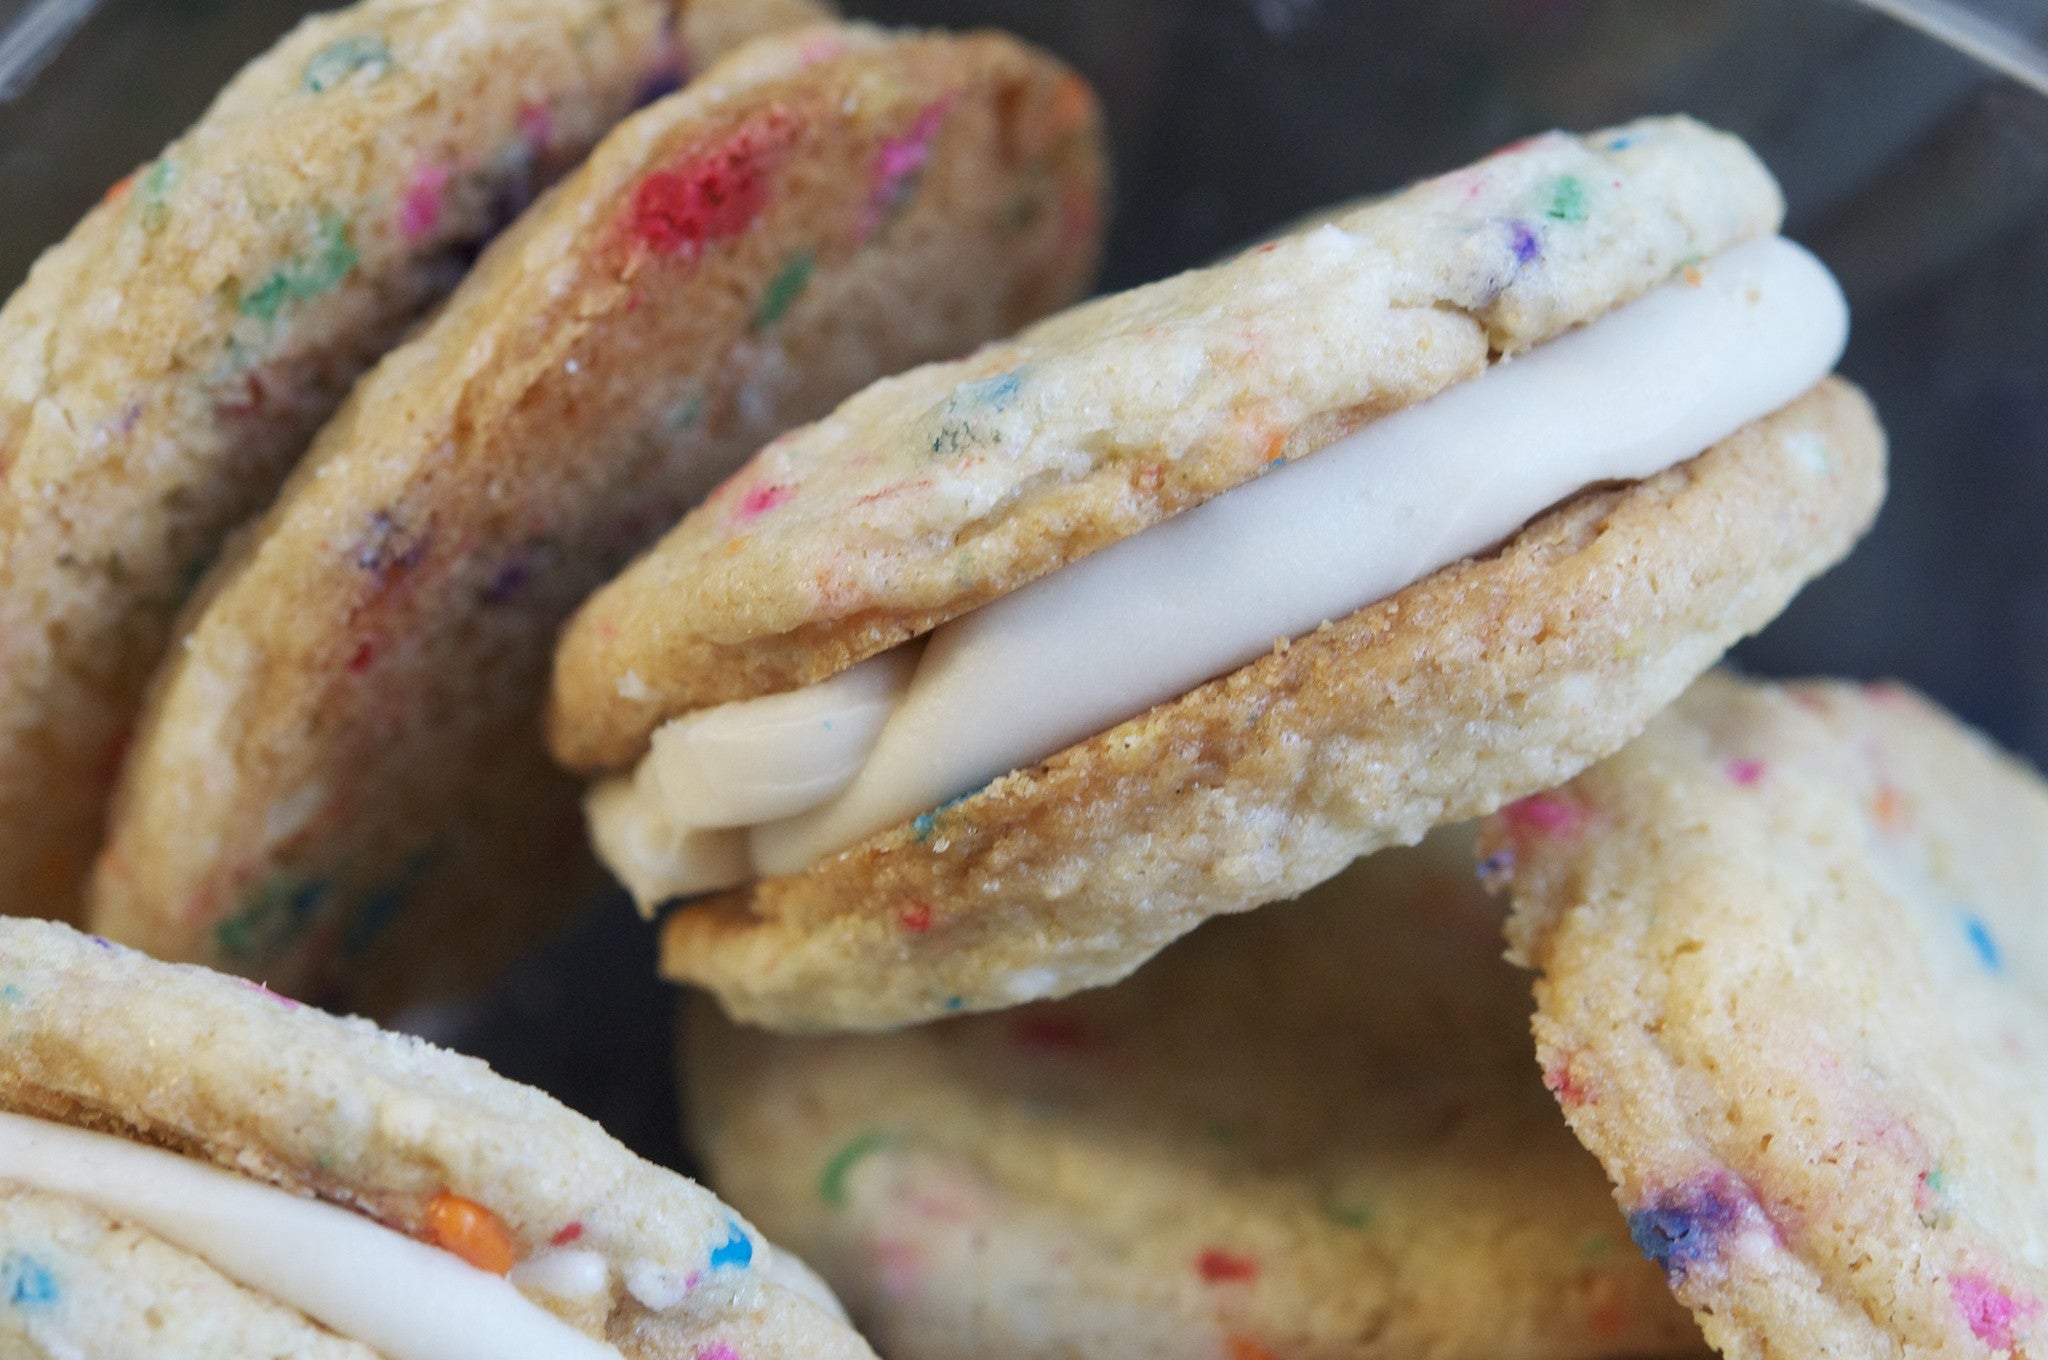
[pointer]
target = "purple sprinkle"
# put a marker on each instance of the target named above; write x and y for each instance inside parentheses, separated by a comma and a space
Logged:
(510, 581)
(1528, 246)
(658, 83)
(385, 550)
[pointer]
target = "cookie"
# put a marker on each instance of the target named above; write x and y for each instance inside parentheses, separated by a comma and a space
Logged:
(1310, 1131)
(74, 1282)
(1790, 953)
(340, 785)
(1208, 604)
(167, 363)
(164, 1128)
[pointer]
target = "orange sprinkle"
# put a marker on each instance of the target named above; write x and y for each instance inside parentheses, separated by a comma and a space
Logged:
(1694, 275)
(1072, 105)
(470, 1231)
(1889, 810)
(1245, 1348)
(120, 187)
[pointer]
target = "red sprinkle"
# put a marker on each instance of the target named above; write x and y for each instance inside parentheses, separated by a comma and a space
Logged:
(760, 500)
(1242, 1347)
(568, 1234)
(363, 657)
(916, 918)
(706, 198)
(1062, 1033)
(1564, 1084)
(1217, 1266)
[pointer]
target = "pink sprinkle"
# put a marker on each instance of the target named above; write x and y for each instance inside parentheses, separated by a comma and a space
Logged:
(419, 211)
(902, 1267)
(536, 128)
(283, 1001)
(718, 1350)
(900, 159)
(1990, 1311)
(916, 918)
(1745, 772)
(1545, 813)
(761, 499)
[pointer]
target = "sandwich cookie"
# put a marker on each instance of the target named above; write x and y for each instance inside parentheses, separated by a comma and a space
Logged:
(1308, 1132)
(1792, 958)
(340, 785)
(190, 1165)
(1013, 669)
(167, 363)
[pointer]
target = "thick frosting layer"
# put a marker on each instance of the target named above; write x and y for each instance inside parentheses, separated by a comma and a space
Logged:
(1154, 616)
(402, 1298)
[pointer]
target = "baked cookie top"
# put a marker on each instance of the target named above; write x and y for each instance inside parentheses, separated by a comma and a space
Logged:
(103, 1038)
(163, 367)
(1312, 1131)
(1792, 948)
(341, 775)
(942, 488)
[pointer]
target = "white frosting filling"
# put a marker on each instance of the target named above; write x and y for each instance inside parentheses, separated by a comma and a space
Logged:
(1152, 617)
(402, 1298)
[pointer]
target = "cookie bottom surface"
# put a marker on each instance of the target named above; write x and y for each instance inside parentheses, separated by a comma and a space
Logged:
(1791, 955)
(1313, 1132)
(1491, 679)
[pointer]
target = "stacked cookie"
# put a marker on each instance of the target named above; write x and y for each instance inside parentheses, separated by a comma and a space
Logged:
(987, 687)
(939, 695)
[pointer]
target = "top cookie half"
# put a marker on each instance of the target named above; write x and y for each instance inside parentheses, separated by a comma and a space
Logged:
(942, 489)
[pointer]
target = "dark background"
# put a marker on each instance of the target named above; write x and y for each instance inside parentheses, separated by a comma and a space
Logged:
(1918, 176)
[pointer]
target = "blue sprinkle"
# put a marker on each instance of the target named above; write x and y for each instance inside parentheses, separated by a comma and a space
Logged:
(737, 1250)
(10, 994)
(28, 1282)
(1987, 947)
(954, 1003)
(999, 392)
(1621, 143)
(1684, 1228)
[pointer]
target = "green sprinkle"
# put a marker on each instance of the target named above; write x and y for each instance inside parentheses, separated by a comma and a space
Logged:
(1568, 200)
(1348, 1216)
(783, 290)
(684, 413)
(155, 188)
(1222, 1134)
(1596, 1248)
(1937, 1180)
(277, 915)
(306, 276)
(1021, 211)
(338, 61)
(832, 1181)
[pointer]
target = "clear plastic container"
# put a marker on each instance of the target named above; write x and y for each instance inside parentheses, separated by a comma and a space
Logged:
(1919, 173)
